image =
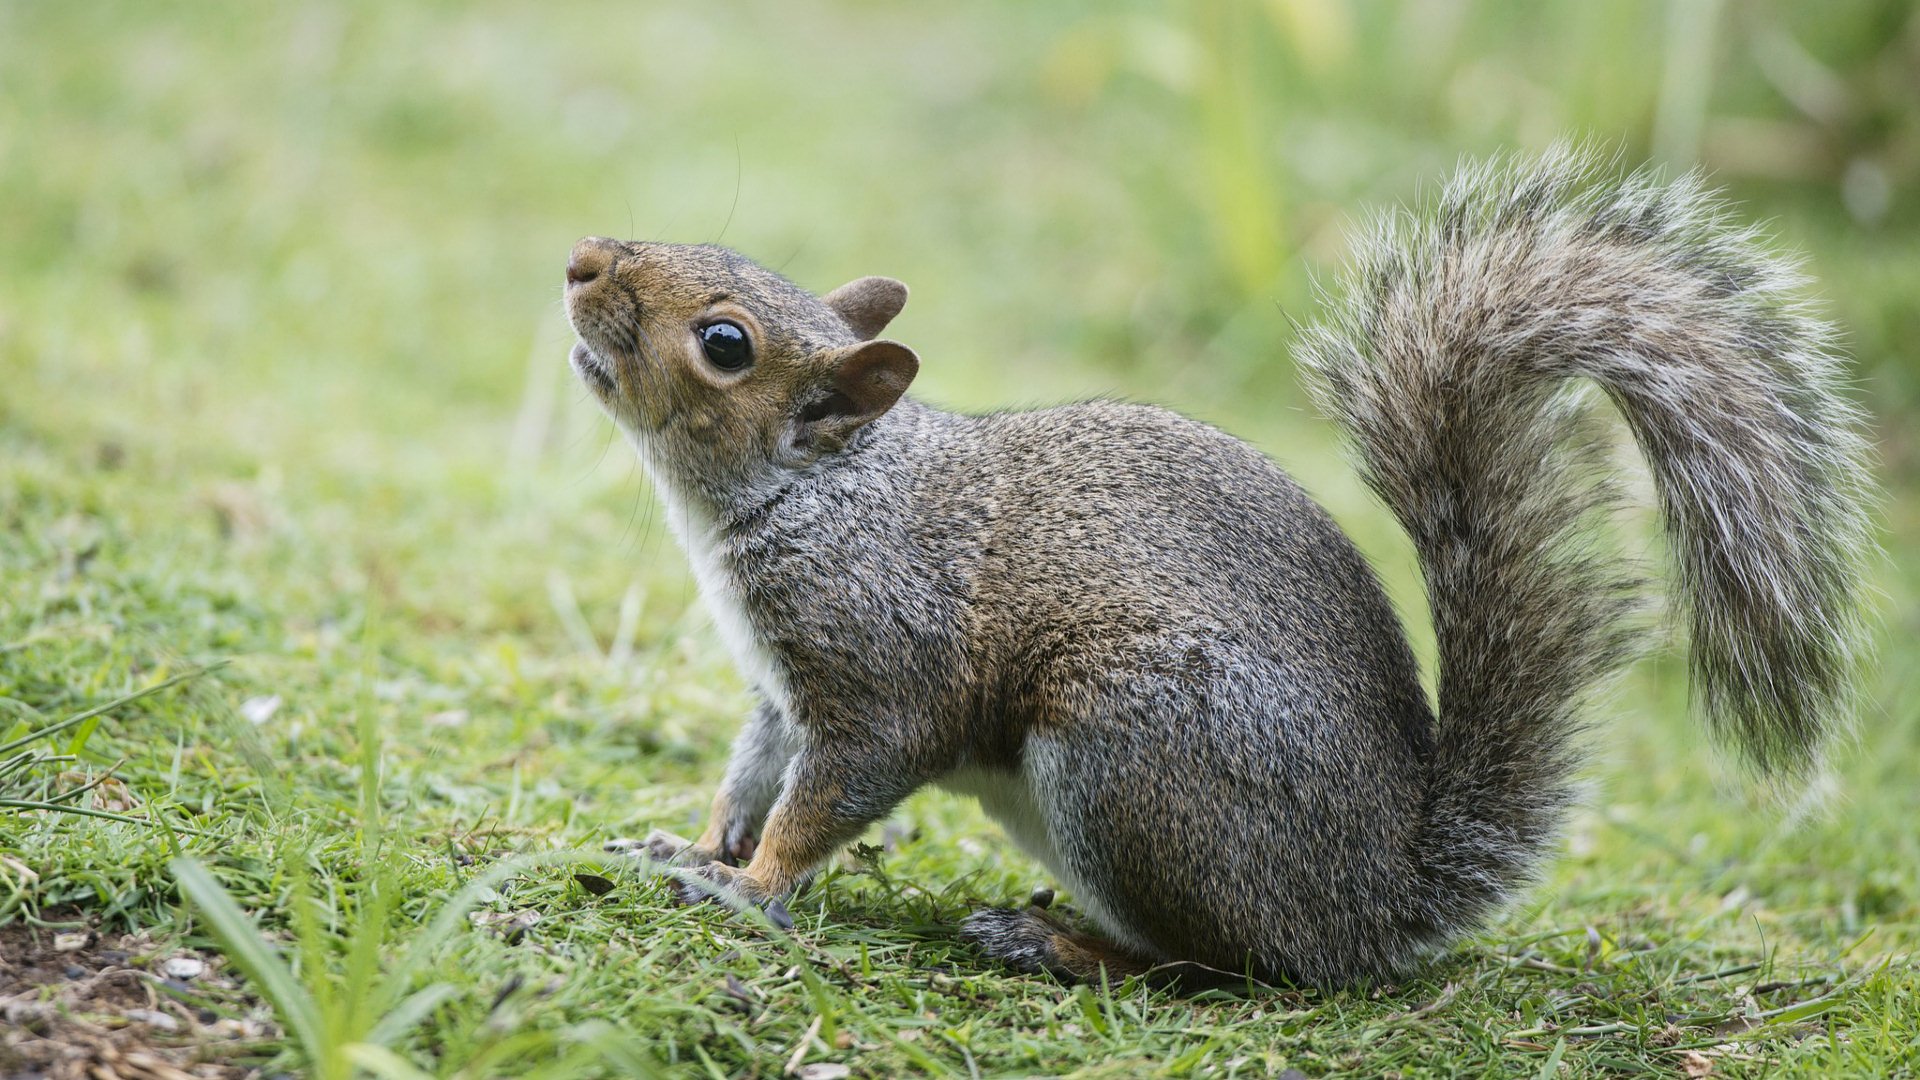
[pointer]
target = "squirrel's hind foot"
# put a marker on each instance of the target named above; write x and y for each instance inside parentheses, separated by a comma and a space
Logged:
(1029, 940)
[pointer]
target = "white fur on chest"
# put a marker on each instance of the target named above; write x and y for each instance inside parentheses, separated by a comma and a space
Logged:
(720, 590)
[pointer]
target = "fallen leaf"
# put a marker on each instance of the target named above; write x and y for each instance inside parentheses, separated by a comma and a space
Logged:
(594, 884)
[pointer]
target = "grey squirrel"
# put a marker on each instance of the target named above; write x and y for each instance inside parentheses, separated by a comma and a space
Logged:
(1158, 663)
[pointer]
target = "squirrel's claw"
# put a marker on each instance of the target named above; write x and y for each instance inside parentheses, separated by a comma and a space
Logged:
(697, 866)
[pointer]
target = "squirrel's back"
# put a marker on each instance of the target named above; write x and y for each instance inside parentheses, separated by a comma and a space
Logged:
(1148, 523)
(1120, 511)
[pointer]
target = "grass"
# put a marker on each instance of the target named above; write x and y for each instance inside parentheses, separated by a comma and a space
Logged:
(282, 388)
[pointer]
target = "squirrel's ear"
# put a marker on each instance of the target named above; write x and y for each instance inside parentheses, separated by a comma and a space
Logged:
(867, 380)
(867, 304)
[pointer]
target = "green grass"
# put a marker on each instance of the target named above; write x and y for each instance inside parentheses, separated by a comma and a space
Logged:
(282, 385)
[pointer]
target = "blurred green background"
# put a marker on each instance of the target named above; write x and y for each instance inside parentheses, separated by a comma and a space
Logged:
(259, 215)
(298, 264)
(282, 358)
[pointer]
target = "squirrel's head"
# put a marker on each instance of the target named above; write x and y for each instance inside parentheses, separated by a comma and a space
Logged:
(723, 371)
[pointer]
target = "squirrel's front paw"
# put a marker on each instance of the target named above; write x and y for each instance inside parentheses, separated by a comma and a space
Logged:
(716, 880)
(662, 846)
(703, 882)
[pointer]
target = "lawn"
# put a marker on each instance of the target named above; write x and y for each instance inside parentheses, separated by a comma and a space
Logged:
(289, 450)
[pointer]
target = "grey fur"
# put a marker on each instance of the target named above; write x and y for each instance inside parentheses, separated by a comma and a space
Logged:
(1448, 367)
(758, 767)
(1164, 667)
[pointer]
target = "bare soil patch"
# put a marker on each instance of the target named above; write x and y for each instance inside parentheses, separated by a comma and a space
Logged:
(76, 1005)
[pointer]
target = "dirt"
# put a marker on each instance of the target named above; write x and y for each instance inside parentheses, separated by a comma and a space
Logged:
(76, 1004)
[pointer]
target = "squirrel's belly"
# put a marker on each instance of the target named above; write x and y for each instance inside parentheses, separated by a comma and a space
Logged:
(1007, 796)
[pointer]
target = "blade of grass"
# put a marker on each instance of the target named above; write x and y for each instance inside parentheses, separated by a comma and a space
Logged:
(83, 717)
(21, 707)
(402, 1017)
(86, 811)
(30, 757)
(1551, 1066)
(384, 1063)
(617, 1048)
(452, 915)
(240, 939)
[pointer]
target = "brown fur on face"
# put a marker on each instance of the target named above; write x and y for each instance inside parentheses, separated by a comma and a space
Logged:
(816, 375)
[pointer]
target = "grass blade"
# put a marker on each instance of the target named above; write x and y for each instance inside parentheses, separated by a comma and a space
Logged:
(240, 940)
(402, 1017)
(453, 914)
(83, 717)
(384, 1063)
(1552, 1064)
(88, 811)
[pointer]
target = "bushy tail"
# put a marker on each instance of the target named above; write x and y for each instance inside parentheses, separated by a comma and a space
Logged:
(1449, 364)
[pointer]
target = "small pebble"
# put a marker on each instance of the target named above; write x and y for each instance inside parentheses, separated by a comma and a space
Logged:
(159, 1021)
(184, 968)
(73, 942)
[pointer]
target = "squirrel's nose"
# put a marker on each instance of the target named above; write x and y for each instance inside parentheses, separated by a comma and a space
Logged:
(591, 257)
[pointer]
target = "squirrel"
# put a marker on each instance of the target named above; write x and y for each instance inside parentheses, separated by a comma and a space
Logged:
(1159, 664)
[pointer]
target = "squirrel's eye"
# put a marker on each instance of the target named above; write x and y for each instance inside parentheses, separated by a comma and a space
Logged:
(726, 345)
